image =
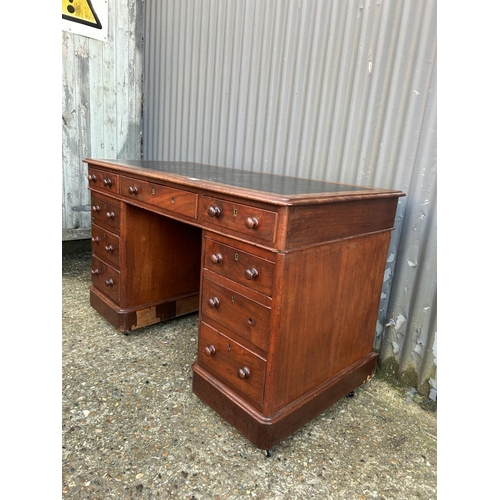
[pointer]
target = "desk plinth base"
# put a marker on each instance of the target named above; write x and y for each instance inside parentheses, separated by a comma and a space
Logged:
(125, 320)
(266, 432)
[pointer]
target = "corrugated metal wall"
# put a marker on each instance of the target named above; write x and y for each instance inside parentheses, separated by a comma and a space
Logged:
(101, 106)
(336, 90)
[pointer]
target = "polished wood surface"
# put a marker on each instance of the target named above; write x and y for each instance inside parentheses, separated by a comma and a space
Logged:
(286, 274)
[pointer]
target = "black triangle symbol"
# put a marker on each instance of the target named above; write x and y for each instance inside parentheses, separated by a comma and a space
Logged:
(69, 16)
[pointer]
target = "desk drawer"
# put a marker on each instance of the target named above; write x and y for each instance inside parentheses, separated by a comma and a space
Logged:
(106, 279)
(105, 245)
(171, 199)
(248, 318)
(253, 222)
(106, 211)
(231, 362)
(100, 179)
(242, 267)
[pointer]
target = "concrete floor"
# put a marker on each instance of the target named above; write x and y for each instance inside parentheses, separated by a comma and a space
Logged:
(132, 428)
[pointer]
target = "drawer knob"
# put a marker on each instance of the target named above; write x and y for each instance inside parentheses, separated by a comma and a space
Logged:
(133, 190)
(110, 215)
(209, 350)
(251, 273)
(214, 211)
(213, 302)
(95, 239)
(244, 372)
(109, 248)
(96, 208)
(95, 272)
(109, 282)
(92, 178)
(251, 222)
(216, 258)
(107, 182)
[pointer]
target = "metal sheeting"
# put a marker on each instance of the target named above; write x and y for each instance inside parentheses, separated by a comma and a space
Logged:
(336, 90)
(101, 106)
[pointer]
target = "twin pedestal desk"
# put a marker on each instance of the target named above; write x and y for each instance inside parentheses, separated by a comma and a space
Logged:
(286, 274)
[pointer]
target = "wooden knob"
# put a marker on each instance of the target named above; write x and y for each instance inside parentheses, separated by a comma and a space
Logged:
(216, 258)
(110, 215)
(107, 182)
(109, 248)
(133, 190)
(244, 372)
(251, 273)
(209, 350)
(109, 282)
(213, 302)
(214, 211)
(251, 222)
(96, 208)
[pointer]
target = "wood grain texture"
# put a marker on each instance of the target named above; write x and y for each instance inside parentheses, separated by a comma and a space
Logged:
(328, 222)
(237, 312)
(325, 314)
(226, 360)
(236, 264)
(160, 257)
(288, 293)
(172, 199)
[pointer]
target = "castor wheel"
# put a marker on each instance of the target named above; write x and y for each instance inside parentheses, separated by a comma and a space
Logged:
(268, 453)
(350, 395)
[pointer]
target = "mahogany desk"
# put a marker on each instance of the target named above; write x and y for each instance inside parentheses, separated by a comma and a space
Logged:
(286, 274)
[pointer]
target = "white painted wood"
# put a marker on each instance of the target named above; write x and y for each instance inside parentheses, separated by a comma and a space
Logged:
(101, 106)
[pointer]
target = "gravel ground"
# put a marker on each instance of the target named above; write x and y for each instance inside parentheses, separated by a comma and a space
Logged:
(133, 429)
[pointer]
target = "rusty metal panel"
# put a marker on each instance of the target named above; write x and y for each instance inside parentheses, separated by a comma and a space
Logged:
(336, 90)
(101, 106)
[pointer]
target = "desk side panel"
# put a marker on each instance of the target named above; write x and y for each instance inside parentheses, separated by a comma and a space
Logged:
(313, 224)
(325, 314)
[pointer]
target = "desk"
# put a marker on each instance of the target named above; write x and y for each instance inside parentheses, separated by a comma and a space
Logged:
(286, 274)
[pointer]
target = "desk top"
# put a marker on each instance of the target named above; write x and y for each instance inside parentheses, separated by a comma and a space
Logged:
(279, 187)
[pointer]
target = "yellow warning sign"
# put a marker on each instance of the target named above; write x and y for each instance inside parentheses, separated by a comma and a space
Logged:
(80, 11)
